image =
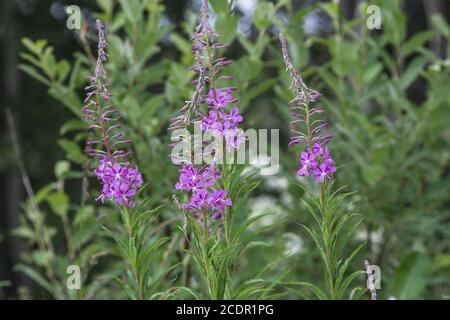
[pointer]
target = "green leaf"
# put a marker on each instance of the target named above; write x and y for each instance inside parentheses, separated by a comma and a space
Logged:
(59, 203)
(226, 26)
(181, 43)
(373, 173)
(62, 167)
(410, 278)
(317, 291)
(441, 262)
(35, 276)
(331, 8)
(372, 72)
(30, 58)
(263, 15)
(132, 9)
(67, 97)
(416, 42)
(24, 232)
(73, 151)
(106, 5)
(32, 72)
(36, 46)
(41, 257)
(151, 106)
(219, 6)
(48, 63)
(255, 91)
(440, 24)
(62, 69)
(71, 125)
(412, 72)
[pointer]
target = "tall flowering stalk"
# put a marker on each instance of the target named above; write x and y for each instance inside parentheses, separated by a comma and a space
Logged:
(220, 117)
(209, 207)
(306, 129)
(335, 225)
(119, 179)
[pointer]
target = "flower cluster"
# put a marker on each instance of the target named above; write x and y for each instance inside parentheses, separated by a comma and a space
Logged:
(214, 203)
(119, 180)
(192, 178)
(221, 123)
(205, 199)
(316, 161)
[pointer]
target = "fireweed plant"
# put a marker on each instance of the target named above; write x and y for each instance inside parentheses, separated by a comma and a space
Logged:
(120, 180)
(335, 226)
(211, 188)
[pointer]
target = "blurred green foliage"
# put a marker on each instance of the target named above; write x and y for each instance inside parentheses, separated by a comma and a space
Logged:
(392, 148)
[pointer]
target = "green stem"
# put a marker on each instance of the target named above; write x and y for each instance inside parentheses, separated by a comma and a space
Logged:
(133, 252)
(326, 230)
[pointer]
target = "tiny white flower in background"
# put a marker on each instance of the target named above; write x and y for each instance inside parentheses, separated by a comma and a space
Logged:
(261, 205)
(293, 244)
(281, 185)
(276, 183)
(262, 162)
(247, 6)
(286, 198)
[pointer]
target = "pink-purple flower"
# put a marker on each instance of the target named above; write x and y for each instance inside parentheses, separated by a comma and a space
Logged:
(219, 98)
(308, 162)
(212, 203)
(120, 181)
(217, 120)
(316, 162)
(205, 198)
(192, 178)
(323, 172)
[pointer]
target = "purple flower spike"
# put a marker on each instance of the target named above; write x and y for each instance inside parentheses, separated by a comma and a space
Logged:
(218, 121)
(316, 161)
(301, 106)
(208, 204)
(119, 180)
(214, 202)
(192, 178)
